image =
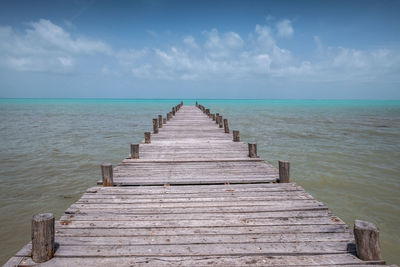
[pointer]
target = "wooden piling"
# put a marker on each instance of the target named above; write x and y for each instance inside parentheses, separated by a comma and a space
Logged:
(173, 111)
(252, 150)
(226, 127)
(366, 235)
(160, 121)
(42, 237)
(147, 137)
(164, 120)
(213, 117)
(107, 174)
(236, 136)
(216, 118)
(220, 122)
(134, 151)
(284, 171)
(155, 126)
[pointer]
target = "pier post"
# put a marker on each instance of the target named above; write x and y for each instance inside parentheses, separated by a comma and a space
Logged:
(208, 112)
(252, 150)
(284, 171)
(213, 117)
(42, 237)
(164, 121)
(147, 137)
(134, 151)
(107, 174)
(366, 235)
(226, 127)
(173, 111)
(160, 121)
(155, 126)
(236, 136)
(220, 122)
(216, 117)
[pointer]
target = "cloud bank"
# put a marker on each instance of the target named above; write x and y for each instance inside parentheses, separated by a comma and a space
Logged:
(210, 55)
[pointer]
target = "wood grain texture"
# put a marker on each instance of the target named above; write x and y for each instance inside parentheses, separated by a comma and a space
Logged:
(196, 198)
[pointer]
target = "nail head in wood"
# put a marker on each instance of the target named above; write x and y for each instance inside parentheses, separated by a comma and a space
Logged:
(42, 237)
(252, 150)
(155, 126)
(107, 174)
(134, 151)
(366, 235)
(236, 136)
(284, 171)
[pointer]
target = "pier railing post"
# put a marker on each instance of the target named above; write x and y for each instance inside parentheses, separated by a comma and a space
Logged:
(284, 171)
(155, 126)
(134, 151)
(213, 117)
(164, 121)
(220, 122)
(236, 136)
(173, 111)
(226, 127)
(42, 237)
(216, 118)
(160, 121)
(107, 174)
(366, 235)
(147, 137)
(252, 150)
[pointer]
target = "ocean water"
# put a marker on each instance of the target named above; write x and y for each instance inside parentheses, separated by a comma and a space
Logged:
(345, 153)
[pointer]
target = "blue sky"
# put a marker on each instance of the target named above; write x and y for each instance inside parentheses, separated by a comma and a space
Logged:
(200, 49)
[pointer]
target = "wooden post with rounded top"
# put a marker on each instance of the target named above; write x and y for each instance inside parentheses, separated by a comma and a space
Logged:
(107, 174)
(226, 127)
(366, 235)
(134, 151)
(173, 111)
(213, 117)
(252, 150)
(147, 137)
(284, 171)
(155, 126)
(160, 121)
(220, 122)
(42, 237)
(236, 136)
(216, 117)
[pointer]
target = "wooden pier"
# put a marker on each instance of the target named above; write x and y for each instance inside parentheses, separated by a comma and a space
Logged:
(193, 194)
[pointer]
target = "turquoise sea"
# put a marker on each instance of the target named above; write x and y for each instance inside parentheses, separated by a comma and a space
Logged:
(345, 153)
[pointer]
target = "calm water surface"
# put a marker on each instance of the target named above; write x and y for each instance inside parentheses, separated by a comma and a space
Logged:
(345, 153)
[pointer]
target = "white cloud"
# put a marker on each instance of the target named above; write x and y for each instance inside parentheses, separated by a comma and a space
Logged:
(44, 46)
(212, 55)
(284, 28)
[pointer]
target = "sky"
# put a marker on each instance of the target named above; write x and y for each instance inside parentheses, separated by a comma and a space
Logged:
(200, 49)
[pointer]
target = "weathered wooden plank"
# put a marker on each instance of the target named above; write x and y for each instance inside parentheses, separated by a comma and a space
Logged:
(242, 260)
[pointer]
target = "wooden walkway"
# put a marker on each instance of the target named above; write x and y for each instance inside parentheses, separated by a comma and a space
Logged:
(194, 197)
